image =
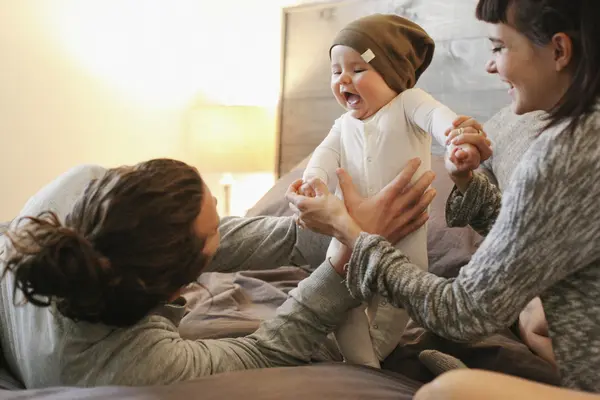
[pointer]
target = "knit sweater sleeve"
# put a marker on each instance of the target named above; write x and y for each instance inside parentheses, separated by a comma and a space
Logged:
(545, 231)
(479, 206)
(266, 242)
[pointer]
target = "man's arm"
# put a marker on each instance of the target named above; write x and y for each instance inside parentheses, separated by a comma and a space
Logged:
(266, 243)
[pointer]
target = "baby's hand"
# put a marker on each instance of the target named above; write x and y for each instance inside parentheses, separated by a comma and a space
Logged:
(467, 131)
(307, 190)
(468, 146)
(462, 158)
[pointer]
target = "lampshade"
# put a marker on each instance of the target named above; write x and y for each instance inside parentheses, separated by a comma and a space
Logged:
(236, 139)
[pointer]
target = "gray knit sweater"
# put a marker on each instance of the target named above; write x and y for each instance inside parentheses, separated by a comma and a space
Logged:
(546, 242)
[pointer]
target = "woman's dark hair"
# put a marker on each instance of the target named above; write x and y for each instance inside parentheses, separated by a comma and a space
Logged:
(127, 245)
(539, 21)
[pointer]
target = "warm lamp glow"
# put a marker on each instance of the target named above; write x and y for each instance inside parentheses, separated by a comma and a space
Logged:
(234, 139)
(163, 53)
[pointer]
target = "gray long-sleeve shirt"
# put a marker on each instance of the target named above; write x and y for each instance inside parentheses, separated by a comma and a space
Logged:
(545, 241)
(46, 349)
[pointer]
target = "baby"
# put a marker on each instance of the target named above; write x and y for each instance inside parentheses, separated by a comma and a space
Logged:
(375, 63)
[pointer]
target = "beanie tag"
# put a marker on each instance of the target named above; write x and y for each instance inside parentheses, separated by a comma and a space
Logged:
(368, 55)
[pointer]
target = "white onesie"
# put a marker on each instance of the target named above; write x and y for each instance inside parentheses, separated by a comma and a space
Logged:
(373, 152)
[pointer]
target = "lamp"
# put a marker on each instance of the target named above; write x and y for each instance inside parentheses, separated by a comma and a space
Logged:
(231, 140)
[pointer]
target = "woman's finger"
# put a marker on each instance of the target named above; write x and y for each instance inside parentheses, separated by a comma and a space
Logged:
(453, 134)
(465, 121)
(481, 142)
(467, 131)
(471, 123)
(460, 120)
(456, 123)
(458, 132)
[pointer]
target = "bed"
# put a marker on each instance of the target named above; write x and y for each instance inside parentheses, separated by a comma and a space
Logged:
(235, 303)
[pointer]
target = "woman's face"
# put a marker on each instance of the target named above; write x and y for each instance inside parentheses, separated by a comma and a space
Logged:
(533, 73)
(207, 224)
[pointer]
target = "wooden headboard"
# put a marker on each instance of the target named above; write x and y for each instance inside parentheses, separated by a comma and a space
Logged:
(456, 76)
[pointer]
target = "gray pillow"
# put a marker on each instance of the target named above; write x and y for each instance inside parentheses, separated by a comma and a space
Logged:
(7, 379)
(273, 202)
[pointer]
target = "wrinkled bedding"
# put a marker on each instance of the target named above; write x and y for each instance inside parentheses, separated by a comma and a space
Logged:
(336, 381)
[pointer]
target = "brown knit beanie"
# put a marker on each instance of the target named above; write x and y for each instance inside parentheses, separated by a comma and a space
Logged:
(397, 48)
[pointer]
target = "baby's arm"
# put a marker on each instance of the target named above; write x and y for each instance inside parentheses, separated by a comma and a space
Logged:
(433, 117)
(325, 160)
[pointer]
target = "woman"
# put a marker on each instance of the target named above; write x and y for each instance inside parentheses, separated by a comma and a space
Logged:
(546, 239)
(109, 251)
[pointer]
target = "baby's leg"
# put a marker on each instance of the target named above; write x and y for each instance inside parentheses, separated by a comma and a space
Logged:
(386, 326)
(387, 323)
(354, 339)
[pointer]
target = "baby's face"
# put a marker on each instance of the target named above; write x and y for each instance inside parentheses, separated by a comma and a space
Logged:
(356, 85)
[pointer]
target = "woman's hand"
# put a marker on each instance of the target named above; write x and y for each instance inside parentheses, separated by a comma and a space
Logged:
(396, 211)
(469, 146)
(466, 130)
(533, 329)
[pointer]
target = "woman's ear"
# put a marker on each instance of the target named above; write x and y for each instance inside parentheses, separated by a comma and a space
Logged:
(563, 50)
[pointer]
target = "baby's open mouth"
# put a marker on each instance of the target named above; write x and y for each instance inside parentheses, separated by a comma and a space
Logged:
(351, 98)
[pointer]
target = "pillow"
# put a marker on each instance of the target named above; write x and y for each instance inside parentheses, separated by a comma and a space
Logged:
(7, 379)
(273, 202)
(449, 248)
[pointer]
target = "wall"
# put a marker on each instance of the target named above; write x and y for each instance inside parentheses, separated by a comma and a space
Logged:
(110, 81)
(456, 76)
